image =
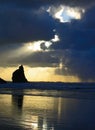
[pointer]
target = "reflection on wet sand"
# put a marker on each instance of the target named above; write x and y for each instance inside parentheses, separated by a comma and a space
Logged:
(17, 101)
(35, 112)
(46, 113)
(43, 109)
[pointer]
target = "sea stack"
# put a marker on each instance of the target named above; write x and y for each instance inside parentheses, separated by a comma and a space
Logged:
(18, 75)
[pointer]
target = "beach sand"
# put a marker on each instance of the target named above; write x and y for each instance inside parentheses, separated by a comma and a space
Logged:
(48, 109)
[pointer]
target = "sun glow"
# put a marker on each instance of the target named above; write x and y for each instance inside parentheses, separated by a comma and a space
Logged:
(38, 74)
(56, 38)
(48, 43)
(65, 13)
(35, 46)
(30, 46)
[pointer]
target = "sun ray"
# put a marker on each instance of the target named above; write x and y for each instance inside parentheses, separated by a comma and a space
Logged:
(34, 46)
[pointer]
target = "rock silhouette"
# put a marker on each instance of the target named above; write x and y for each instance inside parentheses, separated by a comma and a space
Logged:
(2, 81)
(18, 75)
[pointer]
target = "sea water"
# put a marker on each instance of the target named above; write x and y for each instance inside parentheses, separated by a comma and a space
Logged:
(25, 108)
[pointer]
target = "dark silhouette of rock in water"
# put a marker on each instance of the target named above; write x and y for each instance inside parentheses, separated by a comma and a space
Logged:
(18, 76)
(17, 101)
(2, 81)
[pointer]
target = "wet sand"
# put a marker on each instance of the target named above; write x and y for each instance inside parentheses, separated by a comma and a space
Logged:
(74, 111)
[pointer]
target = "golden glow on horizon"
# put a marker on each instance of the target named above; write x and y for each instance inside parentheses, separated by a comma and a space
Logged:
(37, 74)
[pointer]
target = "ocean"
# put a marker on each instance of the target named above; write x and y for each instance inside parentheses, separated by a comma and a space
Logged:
(47, 106)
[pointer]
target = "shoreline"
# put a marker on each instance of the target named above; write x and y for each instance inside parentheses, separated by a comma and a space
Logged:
(49, 85)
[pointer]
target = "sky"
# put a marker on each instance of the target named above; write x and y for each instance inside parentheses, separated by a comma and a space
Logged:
(53, 39)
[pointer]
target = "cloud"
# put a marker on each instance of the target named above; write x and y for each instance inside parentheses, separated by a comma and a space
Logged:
(80, 64)
(28, 20)
(77, 40)
(40, 59)
(78, 34)
(37, 3)
(18, 25)
(17, 55)
(66, 13)
(74, 50)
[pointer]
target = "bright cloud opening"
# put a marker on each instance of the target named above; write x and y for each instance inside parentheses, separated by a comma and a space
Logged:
(47, 44)
(35, 46)
(55, 39)
(66, 13)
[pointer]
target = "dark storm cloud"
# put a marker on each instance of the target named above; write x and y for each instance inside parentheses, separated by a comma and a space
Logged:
(78, 34)
(25, 21)
(77, 40)
(19, 25)
(80, 64)
(37, 59)
(40, 59)
(75, 36)
(37, 3)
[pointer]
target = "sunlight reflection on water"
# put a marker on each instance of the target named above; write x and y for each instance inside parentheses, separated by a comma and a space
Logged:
(23, 112)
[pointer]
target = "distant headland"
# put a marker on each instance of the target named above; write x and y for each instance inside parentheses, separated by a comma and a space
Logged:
(2, 81)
